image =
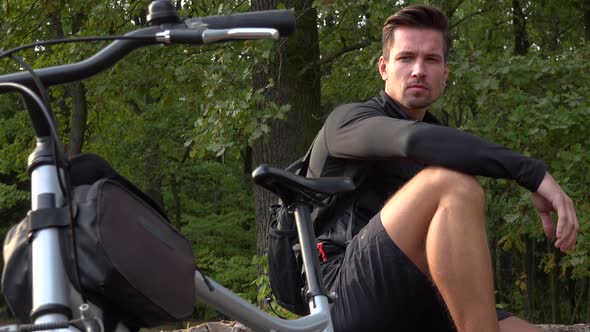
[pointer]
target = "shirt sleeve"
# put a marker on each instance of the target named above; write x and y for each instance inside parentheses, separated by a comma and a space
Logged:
(365, 133)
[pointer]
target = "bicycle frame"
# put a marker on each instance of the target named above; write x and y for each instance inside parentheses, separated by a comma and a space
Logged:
(54, 298)
(232, 305)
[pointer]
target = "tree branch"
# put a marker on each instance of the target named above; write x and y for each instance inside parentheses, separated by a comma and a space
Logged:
(452, 11)
(469, 16)
(343, 51)
(335, 55)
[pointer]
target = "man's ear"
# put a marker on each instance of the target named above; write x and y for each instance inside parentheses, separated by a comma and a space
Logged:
(446, 71)
(383, 67)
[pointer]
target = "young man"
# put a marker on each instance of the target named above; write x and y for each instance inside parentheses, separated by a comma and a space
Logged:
(408, 247)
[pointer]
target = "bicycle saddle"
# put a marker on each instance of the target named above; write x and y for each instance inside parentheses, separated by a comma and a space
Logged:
(294, 188)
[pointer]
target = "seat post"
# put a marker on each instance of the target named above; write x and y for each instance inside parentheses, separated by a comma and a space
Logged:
(306, 236)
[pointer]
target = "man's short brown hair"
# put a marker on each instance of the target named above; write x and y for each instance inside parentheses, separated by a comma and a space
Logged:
(415, 16)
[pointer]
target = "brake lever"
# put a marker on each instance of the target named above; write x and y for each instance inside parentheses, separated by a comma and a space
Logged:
(214, 35)
(206, 36)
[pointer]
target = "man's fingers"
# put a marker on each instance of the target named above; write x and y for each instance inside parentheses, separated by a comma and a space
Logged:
(568, 240)
(550, 197)
(564, 231)
(548, 226)
(570, 234)
(567, 226)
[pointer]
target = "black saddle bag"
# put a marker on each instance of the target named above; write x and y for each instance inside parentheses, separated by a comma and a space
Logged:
(130, 259)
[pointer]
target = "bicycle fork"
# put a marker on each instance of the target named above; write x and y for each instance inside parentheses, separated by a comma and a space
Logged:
(49, 279)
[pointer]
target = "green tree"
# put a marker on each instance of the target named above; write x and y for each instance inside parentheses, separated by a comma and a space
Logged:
(290, 77)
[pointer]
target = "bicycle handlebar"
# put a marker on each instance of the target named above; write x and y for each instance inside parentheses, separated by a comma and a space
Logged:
(281, 20)
(195, 31)
(100, 61)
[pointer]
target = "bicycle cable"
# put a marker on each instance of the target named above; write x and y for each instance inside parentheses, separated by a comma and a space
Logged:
(45, 107)
(269, 300)
(55, 142)
(60, 162)
(72, 40)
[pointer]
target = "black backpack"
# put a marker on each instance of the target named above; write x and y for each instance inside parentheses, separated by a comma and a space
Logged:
(285, 265)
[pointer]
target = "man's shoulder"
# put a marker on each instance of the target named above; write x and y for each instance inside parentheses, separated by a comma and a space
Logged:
(371, 104)
(354, 109)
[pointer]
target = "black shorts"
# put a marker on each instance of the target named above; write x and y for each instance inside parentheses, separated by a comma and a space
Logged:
(380, 289)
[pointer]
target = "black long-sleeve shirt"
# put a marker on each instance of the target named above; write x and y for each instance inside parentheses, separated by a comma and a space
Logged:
(380, 148)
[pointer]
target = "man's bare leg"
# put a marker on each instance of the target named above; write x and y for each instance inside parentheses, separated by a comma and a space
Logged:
(437, 220)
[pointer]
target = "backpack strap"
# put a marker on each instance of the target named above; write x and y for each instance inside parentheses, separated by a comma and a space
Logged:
(358, 181)
(300, 166)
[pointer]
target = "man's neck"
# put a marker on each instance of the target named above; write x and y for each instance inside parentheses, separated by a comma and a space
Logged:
(414, 114)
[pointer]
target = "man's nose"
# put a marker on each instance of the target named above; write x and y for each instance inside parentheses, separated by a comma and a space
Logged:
(418, 69)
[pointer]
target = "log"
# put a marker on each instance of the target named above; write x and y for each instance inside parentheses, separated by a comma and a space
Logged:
(565, 328)
(232, 326)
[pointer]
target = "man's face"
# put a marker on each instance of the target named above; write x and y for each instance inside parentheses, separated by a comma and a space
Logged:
(416, 71)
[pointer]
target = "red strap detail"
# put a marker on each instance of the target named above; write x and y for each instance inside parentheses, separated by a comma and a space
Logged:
(322, 252)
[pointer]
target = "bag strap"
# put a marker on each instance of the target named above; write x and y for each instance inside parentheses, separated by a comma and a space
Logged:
(50, 217)
(88, 168)
(300, 166)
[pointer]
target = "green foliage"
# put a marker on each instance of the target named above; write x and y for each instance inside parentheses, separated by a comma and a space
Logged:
(218, 219)
(262, 283)
(175, 120)
(350, 38)
(227, 235)
(226, 191)
(536, 105)
(235, 273)
(11, 196)
(233, 122)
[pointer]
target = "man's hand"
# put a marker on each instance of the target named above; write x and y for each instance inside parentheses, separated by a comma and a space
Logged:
(548, 198)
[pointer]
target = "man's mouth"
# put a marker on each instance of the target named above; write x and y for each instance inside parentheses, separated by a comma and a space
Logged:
(418, 87)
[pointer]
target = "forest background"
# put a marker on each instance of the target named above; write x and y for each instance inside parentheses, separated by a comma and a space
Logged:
(189, 124)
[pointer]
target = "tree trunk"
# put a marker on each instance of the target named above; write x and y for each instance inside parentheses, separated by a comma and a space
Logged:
(76, 91)
(554, 299)
(295, 73)
(553, 289)
(152, 160)
(153, 178)
(572, 286)
(175, 187)
(587, 24)
(521, 43)
(529, 262)
(497, 259)
(581, 290)
(247, 161)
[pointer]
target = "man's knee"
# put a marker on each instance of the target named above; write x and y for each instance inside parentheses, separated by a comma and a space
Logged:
(460, 185)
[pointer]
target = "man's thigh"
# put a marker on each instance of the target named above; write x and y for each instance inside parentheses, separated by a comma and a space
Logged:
(380, 289)
(408, 215)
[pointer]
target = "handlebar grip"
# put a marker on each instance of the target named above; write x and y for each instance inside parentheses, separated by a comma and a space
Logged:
(282, 20)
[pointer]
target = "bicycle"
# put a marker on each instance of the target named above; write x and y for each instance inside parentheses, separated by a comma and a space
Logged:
(53, 296)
